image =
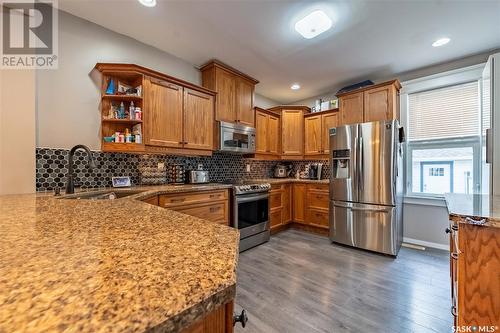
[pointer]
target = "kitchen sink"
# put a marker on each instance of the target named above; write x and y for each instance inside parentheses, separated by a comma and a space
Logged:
(102, 195)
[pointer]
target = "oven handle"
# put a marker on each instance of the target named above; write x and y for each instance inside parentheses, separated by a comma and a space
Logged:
(251, 197)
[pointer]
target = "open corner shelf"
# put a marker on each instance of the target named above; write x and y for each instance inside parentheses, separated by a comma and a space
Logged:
(122, 97)
(122, 121)
(123, 147)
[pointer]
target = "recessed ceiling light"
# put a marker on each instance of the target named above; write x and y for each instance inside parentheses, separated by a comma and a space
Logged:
(295, 86)
(313, 24)
(441, 42)
(148, 3)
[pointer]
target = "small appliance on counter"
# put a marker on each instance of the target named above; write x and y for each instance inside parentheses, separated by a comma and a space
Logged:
(282, 170)
(198, 177)
(315, 171)
(176, 174)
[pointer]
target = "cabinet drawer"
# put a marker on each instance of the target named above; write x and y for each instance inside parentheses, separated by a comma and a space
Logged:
(274, 199)
(277, 187)
(317, 199)
(275, 217)
(318, 187)
(178, 199)
(317, 217)
(211, 212)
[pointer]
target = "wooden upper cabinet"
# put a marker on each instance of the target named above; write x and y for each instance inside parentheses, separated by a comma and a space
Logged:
(351, 108)
(292, 132)
(261, 135)
(244, 102)
(373, 103)
(235, 92)
(198, 120)
(328, 121)
(164, 116)
(313, 136)
(273, 134)
(379, 103)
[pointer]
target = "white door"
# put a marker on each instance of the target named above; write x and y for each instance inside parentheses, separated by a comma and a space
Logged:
(436, 177)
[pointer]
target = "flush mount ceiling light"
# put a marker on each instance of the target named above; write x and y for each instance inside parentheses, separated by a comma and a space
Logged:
(295, 86)
(148, 3)
(313, 24)
(441, 42)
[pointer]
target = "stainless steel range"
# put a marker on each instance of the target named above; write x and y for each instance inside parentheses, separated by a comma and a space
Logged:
(251, 213)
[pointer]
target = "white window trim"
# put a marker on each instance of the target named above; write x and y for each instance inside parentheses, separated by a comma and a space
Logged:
(435, 81)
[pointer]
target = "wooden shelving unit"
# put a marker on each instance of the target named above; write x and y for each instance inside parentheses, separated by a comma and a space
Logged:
(110, 126)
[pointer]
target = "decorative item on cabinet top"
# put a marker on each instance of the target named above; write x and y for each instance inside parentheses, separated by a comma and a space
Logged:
(131, 108)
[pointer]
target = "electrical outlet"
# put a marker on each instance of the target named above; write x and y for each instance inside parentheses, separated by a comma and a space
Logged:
(248, 167)
(161, 166)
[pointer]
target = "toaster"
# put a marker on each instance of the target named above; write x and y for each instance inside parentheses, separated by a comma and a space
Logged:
(198, 176)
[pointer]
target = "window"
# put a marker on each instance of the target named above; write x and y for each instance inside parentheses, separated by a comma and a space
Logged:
(444, 129)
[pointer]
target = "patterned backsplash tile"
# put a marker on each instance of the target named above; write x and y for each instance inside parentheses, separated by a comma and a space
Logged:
(52, 167)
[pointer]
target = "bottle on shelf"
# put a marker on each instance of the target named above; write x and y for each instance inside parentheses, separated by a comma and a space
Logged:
(138, 113)
(131, 111)
(121, 114)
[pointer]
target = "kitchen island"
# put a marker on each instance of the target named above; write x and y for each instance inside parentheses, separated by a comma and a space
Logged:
(111, 265)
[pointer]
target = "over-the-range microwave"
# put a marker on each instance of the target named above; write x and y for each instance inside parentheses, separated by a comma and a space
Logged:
(236, 138)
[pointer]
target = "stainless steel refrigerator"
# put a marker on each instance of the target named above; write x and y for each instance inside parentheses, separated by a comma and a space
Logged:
(366, 186)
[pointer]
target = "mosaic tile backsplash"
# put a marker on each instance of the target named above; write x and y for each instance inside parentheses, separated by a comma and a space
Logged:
(52, 167)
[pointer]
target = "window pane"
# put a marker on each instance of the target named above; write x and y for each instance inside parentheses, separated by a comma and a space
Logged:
(444, 113)
(438, 171)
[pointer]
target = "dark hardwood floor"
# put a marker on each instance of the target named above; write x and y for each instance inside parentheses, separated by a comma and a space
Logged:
(299, 282)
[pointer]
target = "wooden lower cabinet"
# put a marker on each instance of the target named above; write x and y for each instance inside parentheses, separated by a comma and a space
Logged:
(219, 320)
(299, 202)
(211, 205)
(476, 275)
(280, 206)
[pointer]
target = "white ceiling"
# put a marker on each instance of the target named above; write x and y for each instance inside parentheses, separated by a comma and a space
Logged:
(370, 39)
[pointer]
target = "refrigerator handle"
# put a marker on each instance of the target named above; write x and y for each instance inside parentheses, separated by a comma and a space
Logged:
(489, 151)
(360, 163)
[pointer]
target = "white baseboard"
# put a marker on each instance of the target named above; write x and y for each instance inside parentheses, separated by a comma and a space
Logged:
(426, 244)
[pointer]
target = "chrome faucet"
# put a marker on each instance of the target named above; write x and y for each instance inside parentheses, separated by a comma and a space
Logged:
(70, 186)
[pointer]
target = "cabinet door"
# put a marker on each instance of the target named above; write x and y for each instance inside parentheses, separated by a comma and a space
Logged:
(163, 113)
(226, 93)
(198, 120)
(275, 218)
(328, 121)
(261, 132)
(379, 104)
(312, 133)
(299, 202)
(286, 202)
(273, 135)
(244, 102)
(292, 132)
(351, 109)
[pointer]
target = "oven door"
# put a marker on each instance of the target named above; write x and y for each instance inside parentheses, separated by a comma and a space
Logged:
(251, 213)
(237, 138)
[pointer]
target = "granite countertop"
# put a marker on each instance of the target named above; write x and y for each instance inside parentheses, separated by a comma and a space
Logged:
(467, 208)
(291, 180)
(110, 265)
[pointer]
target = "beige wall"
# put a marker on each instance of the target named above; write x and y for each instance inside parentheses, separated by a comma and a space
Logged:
(17, 131)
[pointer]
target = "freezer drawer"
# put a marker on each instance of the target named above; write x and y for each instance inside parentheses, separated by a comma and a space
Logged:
(370, 227)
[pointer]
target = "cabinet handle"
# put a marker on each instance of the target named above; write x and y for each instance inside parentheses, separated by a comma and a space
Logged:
(178, 200)
(214, 196)
(181, 142)
(214, 209)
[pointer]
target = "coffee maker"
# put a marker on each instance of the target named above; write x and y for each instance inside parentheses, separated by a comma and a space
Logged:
(315, 171)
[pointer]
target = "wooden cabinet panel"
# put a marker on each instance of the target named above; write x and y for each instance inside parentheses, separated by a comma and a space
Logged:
(292, 132)
(275, 199)
(152, 200)
(299, 202)
(351, 109)
(379, 103)
(317, 217)
(177, 199)
(163, 113)
(225, 84)
(275, 217)
(244, 102)
(215, 212)
(312, 135)
(478, 275)
(273, 135)
(328, 121)
(219, 320)
(286, 203)
(198, 120)
(262, 132)
(317, 199)
(318, 187)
